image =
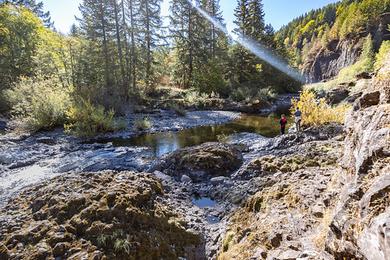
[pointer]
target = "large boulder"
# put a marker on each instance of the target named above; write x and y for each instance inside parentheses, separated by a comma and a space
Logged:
(201, 162)
(336, 95)
(104, 215)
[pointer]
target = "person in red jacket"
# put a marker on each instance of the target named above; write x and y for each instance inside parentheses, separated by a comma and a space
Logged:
(283, 123)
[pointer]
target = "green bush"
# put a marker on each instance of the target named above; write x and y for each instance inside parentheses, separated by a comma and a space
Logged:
(39, 103)
(382, 55)
(143, 124)
(178, 110)
(195, 98)
(86, 119)
(246, 94)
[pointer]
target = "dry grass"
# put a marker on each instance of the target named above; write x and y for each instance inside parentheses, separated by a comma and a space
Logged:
(320, 238)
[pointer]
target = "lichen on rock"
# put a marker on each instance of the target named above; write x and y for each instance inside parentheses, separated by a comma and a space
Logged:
(104, 215)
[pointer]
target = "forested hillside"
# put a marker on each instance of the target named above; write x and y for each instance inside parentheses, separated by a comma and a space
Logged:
(119, 55)
(324, 41)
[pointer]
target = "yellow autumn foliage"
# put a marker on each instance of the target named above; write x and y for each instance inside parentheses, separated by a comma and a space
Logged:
(317, 112)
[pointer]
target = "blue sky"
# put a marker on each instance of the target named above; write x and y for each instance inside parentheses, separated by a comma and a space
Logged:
(278, 12)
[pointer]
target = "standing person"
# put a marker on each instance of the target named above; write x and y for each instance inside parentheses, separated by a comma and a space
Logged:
(298, 119)
(283, 123)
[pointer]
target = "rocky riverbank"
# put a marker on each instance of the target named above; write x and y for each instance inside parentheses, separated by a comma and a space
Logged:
(225, 173)
(321, 194)
(29, 159)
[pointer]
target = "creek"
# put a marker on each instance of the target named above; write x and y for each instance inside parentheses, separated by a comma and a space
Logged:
(167, 142)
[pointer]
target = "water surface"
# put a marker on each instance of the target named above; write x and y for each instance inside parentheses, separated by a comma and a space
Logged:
(167, 142)
(204, 202)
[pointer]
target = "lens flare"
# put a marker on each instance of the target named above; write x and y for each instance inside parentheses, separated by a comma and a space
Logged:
(253, 46)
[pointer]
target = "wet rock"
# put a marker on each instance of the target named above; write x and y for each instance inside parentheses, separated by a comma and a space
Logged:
(201, 162)
(185, 179)
(60, 249)
(218, 180)
(46, 140)
(5, 159)
(3, 125)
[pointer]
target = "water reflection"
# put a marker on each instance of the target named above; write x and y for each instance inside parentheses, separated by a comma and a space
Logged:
(204, 202)
(167, 142)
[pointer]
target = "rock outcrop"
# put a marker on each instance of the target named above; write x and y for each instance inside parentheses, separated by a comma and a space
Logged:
(324, 202)
(326, 62)
(201, 162)
(360, 227)
(103, 215)
(294, 189)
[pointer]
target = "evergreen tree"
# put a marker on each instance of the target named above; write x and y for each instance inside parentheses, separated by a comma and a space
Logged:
(35, 7)
(249, 19)
(150, 25)
(97, 24)
(182, 21)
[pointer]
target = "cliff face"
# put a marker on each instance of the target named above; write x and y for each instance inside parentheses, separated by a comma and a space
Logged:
(360, 227)
(315, 208)
(326, 62)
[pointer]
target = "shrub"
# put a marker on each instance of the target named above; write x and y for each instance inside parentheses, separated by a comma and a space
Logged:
(317, 112)
(195, 98)
(39, 103)
(178, 110)
(382, 55)
(143, 124)
(247, 94)
(86, 119)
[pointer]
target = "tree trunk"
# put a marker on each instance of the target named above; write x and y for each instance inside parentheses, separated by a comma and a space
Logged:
(190, 39)
(132, 39)
(127, 53)
(148, 45)
(213, 36)
(119, 46)
(105, 49)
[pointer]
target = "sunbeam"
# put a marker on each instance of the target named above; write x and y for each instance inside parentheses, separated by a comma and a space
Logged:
(253, 46)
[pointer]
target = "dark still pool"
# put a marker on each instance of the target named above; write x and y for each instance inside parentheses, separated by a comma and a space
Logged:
(167, 142)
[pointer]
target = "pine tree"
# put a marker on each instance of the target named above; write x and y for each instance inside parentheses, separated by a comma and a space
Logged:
(97, 25)
(182, 18)
(35, 7)
(256, 24)
(150, 24)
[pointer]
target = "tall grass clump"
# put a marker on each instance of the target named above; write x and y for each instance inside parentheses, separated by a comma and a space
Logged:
(382, 55)
(143, 124)
(86, 119)
(39, 103)
(318, 112)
